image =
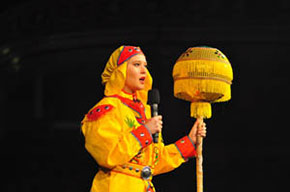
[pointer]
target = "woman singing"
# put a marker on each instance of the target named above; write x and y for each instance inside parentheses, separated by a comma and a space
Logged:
(118, 129)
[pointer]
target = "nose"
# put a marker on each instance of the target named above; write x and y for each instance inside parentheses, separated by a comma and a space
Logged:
(143, 69)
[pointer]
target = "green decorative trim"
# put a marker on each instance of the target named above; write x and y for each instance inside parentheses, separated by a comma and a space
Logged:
(130, 122)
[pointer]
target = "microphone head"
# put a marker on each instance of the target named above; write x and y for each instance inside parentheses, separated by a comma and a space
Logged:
(153, 97)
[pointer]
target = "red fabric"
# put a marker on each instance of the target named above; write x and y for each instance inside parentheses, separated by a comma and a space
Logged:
(143, 136)
(149, 189)
(127, 53)
(186, 147)
(136, 105)
(98, 111)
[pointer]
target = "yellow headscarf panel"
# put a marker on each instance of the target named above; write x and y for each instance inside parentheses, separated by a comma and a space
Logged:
(115, 72)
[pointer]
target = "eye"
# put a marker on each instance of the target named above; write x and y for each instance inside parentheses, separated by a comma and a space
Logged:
(136, 64)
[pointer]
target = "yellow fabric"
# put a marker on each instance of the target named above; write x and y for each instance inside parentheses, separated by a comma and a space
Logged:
(110, 142)
(114, 77)
(202, 75)
(200, 109)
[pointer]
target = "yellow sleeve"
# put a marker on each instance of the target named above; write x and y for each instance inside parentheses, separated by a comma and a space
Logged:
(173, 155)
(106, 140)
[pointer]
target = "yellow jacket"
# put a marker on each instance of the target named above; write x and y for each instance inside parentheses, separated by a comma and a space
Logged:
(122, 146)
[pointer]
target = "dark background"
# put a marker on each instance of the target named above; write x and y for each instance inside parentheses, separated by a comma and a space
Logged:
(53, 52)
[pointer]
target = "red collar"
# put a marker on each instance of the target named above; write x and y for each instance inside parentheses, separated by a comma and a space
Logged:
(134, 95)
(134, 104)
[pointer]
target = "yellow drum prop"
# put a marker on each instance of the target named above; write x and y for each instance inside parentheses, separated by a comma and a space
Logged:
(202, 75)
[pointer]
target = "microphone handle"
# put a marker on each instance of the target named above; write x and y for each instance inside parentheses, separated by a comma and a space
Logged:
(155, 113)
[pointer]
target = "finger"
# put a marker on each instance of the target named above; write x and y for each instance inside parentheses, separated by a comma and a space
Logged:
(202, 134)
(159, 128)
(201, 131)
(196, 124)
(157, 118)
(199, 124)
(202, 127)
(160, 124)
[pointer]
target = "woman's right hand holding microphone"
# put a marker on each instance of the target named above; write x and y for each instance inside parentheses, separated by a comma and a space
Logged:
(154, 124)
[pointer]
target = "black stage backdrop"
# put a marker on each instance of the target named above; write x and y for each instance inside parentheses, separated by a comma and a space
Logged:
(53, 53)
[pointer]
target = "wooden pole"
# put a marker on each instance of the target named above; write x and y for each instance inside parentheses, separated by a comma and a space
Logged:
(199, 169)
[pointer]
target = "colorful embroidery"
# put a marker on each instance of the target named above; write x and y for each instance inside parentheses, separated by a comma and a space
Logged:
(127, 53)
(219, 54)
(137, 158)
(187, 53)
(130, 122)
(143, 136)
(186, 147)
(98, 111)
(150, 187)
(155, 155)
(136, 106)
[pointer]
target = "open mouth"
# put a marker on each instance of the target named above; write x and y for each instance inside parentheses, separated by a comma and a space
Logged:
(142, 80)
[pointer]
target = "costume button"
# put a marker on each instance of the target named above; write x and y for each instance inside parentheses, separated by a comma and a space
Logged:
(137, 170)
(131, 168)
(142, 134)
(146, 173)
(98, 110)
(182, 141)
(146, 142)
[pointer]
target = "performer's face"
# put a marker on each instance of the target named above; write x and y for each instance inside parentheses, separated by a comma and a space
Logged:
(136, 73)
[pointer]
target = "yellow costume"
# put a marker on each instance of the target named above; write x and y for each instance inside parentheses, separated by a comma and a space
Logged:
(117, 138)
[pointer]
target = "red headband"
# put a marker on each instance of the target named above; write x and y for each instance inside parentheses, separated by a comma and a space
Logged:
(127, 53)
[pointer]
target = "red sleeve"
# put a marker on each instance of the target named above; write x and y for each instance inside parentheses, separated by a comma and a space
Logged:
(143, 135)
(186, 147)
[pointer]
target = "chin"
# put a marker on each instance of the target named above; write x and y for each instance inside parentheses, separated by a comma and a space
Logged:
(140, 88)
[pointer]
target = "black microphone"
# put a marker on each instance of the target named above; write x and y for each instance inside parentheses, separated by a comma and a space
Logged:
(153, 101)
